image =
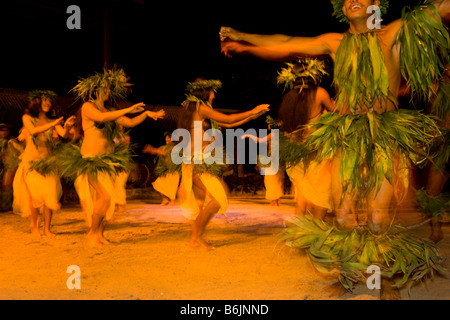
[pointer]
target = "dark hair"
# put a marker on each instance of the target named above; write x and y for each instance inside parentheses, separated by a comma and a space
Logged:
(185, 119)
(295, 106)
(34, 107)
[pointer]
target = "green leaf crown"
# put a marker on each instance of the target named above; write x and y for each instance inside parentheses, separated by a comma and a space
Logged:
(338, 4)
(51, 95)
(91, 87)
(310, 69)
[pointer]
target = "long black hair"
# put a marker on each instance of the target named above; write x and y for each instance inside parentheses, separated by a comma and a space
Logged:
(35, 107)
(294, 111)
(185, 118)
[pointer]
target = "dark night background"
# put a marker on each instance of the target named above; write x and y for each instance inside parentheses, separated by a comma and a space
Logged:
(161, 44)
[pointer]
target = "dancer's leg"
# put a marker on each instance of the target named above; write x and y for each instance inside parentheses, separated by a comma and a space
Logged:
(379, 202)
(342, 204)
(48, 213)
(102, 202)
(205, 215)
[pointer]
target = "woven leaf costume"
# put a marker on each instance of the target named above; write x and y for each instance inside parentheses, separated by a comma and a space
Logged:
(71, 162)
(367, 141)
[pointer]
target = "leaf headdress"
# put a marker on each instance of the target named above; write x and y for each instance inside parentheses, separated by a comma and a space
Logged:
(214, 85)
(338, 4)
(51, 95)
(91, 87)
(302, 72)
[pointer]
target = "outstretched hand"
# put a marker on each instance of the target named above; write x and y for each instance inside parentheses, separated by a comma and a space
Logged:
(70, 122)
(138, 107)
(57, 121)
(260, 110)
(156, 115)
(229, 33)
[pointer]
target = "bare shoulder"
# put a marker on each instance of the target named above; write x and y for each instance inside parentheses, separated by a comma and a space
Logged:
(321, 93)
(87, 104)
(332, 39)
(389, 32)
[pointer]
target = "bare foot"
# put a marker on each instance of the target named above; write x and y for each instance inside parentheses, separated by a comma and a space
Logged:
(172, 203)
(378, 221)
(165, 202)
(92, 241)
(336, 290)
(273, 203)
(205, 245)
(120, 208)
(193, 243)
(388, 292)
(49, 234)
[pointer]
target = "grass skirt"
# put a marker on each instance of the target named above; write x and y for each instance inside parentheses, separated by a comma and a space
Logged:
(32, 189)
(367, 145)
(168, 185)
(191, 205)
(348, 254)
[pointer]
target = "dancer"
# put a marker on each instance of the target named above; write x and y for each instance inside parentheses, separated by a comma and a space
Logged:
(303, 104)
(10, 150)
(201, 191)
(273, 183)
(167, 172)
(370, 136)
(97, 162)
(36, 185)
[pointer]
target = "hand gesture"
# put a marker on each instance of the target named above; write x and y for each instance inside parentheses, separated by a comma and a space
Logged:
(156, 115)
(57, 121)
(229, 33)
(70, 122)
(230, 47)
(138, 107)
(260, 109)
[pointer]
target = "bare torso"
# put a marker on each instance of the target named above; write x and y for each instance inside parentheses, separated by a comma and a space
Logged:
(94, 142)
(391, 52)
(39, 148)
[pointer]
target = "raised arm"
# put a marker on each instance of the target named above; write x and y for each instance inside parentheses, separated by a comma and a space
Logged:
(254, 39)
(278, 47)
(132, 122)
(64, 131)
(35, 130)
(90, 111)
(227, 119)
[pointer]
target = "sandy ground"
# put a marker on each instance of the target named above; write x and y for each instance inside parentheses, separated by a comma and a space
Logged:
(149, 258)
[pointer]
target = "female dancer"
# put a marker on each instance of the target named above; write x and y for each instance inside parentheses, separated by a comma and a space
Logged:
(168, 173)
(197, 183)
(304, 103)
(36, 185)
(99, 160)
